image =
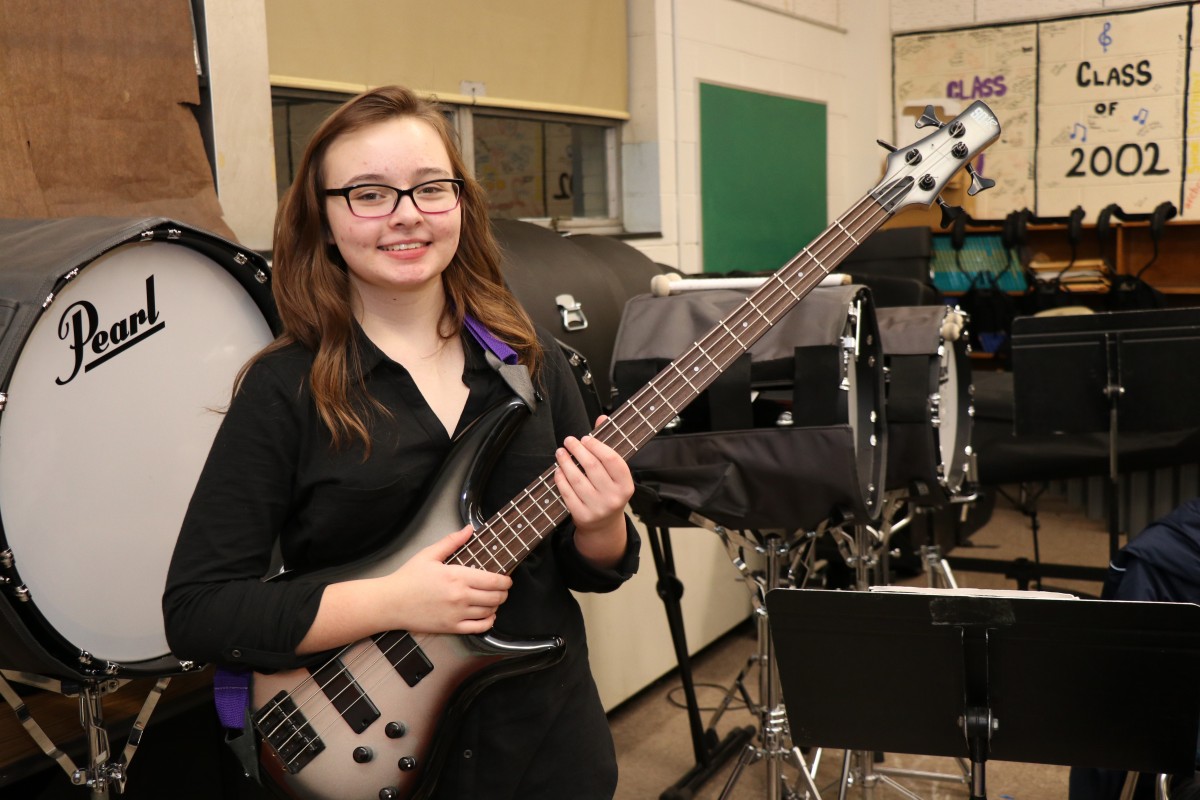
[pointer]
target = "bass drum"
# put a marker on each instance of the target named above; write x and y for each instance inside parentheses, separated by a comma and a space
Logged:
(120, 344)
(575, 287)
(790, 437)
(928, 401)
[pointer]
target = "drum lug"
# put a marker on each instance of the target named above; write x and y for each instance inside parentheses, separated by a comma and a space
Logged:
(260, 276)
(6, 558)
(22, 593)
(3, 402)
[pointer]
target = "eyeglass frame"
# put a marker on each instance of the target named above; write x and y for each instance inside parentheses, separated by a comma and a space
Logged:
(345, 191)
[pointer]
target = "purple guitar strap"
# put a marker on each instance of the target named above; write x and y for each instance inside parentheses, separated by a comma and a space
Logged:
(503, 359)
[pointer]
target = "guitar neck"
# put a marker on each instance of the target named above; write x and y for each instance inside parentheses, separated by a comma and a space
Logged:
(504, 541)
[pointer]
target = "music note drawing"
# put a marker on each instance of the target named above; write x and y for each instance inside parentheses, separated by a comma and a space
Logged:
(1079, 132)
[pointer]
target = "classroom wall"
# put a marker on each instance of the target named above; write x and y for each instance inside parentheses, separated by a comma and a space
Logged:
(835, 52)
(921, 15)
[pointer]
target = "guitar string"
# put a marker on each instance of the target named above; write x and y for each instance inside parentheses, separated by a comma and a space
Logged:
(873, 208)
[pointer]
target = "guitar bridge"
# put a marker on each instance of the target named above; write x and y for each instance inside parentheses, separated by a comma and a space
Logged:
(288, 733)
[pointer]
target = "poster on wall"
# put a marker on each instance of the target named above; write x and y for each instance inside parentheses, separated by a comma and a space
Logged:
(952, 69)
(1111, 107)
(1190, 207)
(1094, 109)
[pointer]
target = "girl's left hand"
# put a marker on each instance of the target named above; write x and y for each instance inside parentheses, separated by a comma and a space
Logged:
(595, 484)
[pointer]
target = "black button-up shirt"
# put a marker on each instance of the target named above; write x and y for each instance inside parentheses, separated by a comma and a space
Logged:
(273, 488)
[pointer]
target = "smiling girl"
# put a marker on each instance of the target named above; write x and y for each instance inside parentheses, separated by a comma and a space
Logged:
(384, 264)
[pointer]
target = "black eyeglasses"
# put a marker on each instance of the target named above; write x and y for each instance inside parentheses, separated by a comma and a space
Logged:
(380, 200)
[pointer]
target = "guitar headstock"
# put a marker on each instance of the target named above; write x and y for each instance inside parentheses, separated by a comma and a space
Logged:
(916, 174)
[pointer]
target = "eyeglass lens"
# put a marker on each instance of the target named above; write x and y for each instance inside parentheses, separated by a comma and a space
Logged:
(378, 200)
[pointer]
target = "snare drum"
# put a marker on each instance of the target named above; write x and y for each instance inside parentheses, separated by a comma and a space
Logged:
(796, 439)
(928, 400)
(121, 344)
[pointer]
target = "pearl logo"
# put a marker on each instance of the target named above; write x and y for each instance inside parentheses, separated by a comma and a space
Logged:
(93, 343)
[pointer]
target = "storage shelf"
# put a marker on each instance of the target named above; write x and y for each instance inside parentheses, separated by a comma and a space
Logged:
(1175, 272)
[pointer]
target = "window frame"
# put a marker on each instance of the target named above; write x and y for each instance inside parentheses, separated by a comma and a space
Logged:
(462, 120)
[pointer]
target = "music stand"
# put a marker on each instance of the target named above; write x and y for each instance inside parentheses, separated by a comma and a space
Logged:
(1003, 675)
(1113, 373)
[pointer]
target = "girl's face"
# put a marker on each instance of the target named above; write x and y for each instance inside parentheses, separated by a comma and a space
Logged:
(406, 251)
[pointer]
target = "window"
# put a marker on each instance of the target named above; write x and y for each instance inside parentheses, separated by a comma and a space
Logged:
(296, 116)
(556, 170)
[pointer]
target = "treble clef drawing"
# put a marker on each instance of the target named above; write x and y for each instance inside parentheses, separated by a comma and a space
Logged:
(1104, 38)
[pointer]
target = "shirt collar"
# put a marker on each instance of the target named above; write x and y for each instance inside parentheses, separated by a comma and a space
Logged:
(366, 356)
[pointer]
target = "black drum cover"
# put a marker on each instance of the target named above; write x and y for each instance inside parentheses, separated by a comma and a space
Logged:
(598, 273)
(791, 435)
(929, 396)
(119, 343)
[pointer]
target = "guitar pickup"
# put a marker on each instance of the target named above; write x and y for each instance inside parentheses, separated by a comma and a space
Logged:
(403, 653)
(346, 695)
(288, 733)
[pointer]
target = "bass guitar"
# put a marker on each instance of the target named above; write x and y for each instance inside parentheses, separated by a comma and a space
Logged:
(375, 720)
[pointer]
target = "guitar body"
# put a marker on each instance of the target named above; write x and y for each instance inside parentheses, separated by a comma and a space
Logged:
(380, 715)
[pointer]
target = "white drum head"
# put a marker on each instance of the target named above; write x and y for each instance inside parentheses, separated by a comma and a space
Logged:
(112, 407)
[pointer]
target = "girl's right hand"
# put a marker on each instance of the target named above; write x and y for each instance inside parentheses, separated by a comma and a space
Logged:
(431, 596)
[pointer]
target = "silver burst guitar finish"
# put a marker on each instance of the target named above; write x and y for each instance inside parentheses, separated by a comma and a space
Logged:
(374, 720)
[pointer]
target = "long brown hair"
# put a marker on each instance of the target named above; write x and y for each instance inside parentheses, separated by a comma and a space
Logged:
(312, 289)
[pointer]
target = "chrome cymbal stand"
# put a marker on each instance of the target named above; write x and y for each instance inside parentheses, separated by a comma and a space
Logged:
(782, 555)
(101, 773)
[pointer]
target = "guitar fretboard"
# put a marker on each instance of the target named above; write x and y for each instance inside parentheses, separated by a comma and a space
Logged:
(517, 528)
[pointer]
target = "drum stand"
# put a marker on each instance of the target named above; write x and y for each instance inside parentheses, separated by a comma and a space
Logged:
(783, 555)
(867, 551)
(101, 773)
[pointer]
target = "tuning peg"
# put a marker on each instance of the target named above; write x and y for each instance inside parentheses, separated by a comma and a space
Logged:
(978, 182)
(885, 145)
(928, 117)
(949, 213)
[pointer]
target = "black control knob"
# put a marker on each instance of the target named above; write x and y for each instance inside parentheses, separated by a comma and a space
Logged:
(362, 755)
(389, 793)
(394, 730)
(407, 764)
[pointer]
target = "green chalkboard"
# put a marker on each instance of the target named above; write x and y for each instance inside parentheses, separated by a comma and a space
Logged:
(762, 177)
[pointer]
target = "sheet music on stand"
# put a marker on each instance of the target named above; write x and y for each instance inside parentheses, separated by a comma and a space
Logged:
(1015, 676)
